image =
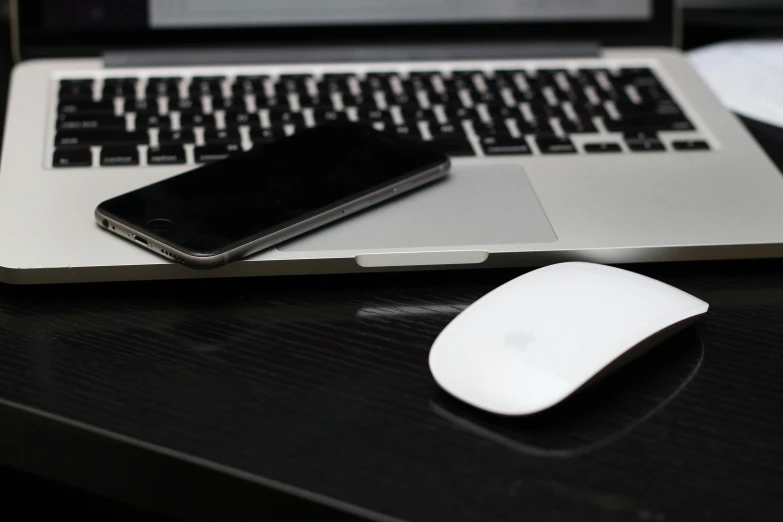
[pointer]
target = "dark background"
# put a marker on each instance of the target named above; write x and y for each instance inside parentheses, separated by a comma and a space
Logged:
(59, 501)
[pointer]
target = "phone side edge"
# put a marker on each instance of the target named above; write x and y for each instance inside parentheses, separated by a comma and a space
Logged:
(349, 208)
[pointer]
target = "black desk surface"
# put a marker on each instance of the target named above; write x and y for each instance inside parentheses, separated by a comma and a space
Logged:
(312, 395)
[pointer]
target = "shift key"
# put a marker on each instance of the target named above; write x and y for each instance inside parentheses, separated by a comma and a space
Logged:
(94, 137)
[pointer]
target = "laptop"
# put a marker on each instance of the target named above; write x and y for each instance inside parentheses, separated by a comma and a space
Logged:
(576, 129)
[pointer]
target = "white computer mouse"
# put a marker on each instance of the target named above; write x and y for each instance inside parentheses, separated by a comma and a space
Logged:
(536, 340)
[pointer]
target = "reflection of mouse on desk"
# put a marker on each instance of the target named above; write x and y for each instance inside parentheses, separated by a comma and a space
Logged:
(533, 342)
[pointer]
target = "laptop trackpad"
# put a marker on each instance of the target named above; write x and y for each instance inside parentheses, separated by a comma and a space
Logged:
(474, 206)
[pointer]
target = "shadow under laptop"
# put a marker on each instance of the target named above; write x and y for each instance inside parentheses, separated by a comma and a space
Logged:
(595, 416)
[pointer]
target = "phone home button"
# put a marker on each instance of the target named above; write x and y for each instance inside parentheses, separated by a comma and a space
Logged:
(160, 225)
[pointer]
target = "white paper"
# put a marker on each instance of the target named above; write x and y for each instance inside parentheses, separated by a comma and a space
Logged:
(746, 76)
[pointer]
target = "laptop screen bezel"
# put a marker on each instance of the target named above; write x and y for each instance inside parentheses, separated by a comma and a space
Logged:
(33, 40)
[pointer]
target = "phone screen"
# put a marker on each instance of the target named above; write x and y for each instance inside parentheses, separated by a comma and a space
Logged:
(225, 204)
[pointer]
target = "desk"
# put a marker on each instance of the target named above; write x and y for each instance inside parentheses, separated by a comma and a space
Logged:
(311, 395)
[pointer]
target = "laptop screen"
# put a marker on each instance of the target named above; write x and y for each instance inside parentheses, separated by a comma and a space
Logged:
(208, 14)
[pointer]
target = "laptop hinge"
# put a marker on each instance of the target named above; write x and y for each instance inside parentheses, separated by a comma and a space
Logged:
(350, 53)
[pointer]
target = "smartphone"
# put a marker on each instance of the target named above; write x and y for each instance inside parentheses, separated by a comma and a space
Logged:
(227, 210)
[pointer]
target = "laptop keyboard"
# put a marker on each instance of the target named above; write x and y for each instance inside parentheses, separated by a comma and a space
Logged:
(463, 113)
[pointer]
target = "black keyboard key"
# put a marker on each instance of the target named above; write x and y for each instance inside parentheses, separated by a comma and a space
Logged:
(338, 76)
(186, 105)
(299, 78)
(76, 91)
(645, 123)
(402, 100)
(502, 112)
(488, 97)
(120, 81)
(141, 106)
(210, 153)
(491, 128)
(445, 98)
(216, 80)
(296, 128)
(653, 109)
(165, 79)
(405, 131)
(168, 137)
(242, 87)
(266, 135)
(598, 148)
(466, 73)
(80, 122)
(644, 142)
(291, 84)
(327, 115)
(162, 89)
(323, 103)
(235, 117)
(535, 128)
(380, 74)
(446, 130)
(350, 100)
(76, 81)
(585, 126)
(689, 145)
(119, 156)
(457, 114)
(86, 107)
(100, 137)
(413, 114)
(422, 75)
(119, 91)
(251, 78)
(326, 89)
(222, 137)
(505, 145)
(206, 84)
(454, 145)
(152, 121)
(543, 111)
(220, 103)
(370, 115)
(645, 146)
(190, 120)
(263, 102)
(283, 116)
(166, 155)
(555, 145)
(641, 136)
(81, 157)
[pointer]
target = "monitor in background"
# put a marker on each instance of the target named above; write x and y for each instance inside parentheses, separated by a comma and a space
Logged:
(190, 13)
(732, 4)
(180, 14)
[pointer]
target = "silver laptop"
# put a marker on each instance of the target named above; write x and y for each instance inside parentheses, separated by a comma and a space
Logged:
(576, 129)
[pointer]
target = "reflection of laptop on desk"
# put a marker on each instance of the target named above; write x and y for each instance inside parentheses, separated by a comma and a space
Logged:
(567, 143)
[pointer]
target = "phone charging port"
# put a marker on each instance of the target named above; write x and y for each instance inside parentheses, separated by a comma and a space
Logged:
(141, 240)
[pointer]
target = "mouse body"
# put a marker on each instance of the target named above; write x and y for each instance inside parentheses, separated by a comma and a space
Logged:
(536, 340)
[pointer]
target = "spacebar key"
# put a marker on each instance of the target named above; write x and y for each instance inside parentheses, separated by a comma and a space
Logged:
(451, 145)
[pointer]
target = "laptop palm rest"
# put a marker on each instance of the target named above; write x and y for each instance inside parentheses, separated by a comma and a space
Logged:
(475, 206)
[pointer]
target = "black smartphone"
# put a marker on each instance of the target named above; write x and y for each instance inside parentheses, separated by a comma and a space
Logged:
(227, 210)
